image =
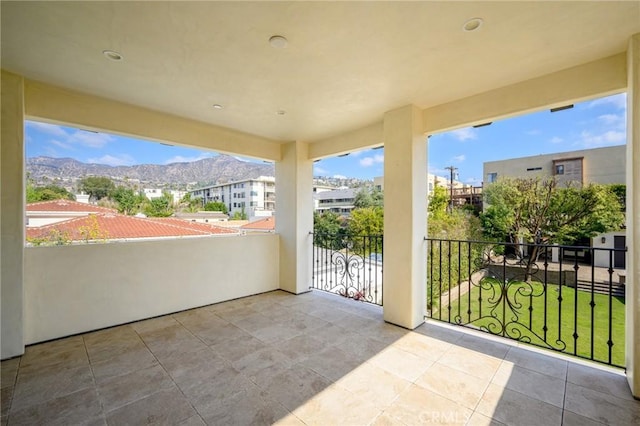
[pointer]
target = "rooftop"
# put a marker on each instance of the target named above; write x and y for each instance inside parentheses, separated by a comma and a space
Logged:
(266, 224)
(113, 226)
(312, 359)
(67, 206)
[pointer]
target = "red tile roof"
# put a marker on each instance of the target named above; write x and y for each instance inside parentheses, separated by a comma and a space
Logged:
(118, 226)
(266, 224)
(67, 206)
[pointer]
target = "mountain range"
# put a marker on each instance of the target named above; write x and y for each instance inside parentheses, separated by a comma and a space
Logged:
(218, 169)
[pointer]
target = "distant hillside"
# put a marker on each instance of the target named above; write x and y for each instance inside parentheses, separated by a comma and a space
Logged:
(218, 169)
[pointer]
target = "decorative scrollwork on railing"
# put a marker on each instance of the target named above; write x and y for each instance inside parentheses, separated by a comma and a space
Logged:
(349, 266)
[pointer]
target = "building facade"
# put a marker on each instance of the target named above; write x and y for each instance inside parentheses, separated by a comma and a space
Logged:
(339, 201)
(255, 197)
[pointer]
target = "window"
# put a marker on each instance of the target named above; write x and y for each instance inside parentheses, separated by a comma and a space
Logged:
(560, 169)
(531, 169)
(492, 177)
(254, 193)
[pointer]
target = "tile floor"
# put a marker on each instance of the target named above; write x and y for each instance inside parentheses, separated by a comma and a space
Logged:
(314, 359)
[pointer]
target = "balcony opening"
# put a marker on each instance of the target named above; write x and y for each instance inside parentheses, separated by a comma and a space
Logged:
(502, 254)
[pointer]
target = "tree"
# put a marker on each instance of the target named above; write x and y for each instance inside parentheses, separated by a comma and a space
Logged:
(366, 197)
(216, 206)
(97, 187)
(539, 211)
(438, 201)
(329, 230)
(241, 215)
(129, 202)
(47, 193)
(366, 221)
(159, 207)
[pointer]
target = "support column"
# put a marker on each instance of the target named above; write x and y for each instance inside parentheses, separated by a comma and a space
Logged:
(405, 217)
(12, 195)
(632, 337)
(294, 216)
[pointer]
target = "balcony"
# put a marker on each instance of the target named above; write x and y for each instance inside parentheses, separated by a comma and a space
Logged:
(309, 359)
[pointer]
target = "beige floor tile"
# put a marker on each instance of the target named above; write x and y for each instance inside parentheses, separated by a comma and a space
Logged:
(238, 347)
(105, 344)
(124, 389)
(6, 395)
(250, 406)
(215, 388)
(78, 408)
(374, 384)
(36, 388)
(9, 369)
(122, 364)
(478, 419)
(601, 407)
(336, 406)
(422, 346)
(533, 384)
(453, 384)
(163, 407)
(300, 347)
(332, 363)
(362, 348)
(193, 421)
(153, 324)
(294, 386)
(276, 333)
(471, 362)
(255, 322)
(537, 362)
(384, 332)
(438, 330)
(417, 405)
(386, 420)
(573, 419)
(513, 408)
(215, 334)
(603, 381)
(401, 363)
(257, 361)
(485, 345)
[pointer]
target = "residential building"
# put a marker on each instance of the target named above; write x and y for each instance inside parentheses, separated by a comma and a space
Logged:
(203, 216)
(355, 75)
(254, 197)
(152, 193)
(432, 181)
(339, 201)
(596, 165)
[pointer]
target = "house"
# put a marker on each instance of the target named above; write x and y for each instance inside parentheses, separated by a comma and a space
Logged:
(290, 83)
(203, 216)
(48, 212)
(255, 197)
(339, 201)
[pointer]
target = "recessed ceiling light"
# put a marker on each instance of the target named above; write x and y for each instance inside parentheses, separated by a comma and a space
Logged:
(112, 55)
(217, 106)
(472, 24)
(281, 112)
(278, 42)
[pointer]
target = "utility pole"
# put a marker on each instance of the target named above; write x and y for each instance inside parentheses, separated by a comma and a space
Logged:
(452, 170)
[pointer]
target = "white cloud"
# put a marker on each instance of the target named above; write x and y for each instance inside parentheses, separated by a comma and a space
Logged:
(459, 158)
(59, 144)
(339, 177)
(90, 139)
(533, 132)
(113, 160)
(358, 153)
(317, 170)
(182, 159)
(615, 120)
(465, 134)
(556, 139)
(608, 138)
(370, 161)
(618, 101)
(50, 129)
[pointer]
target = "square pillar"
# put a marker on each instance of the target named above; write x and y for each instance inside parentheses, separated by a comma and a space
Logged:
(405, 217)
(12, 213)
(632, 335)
(294, 216)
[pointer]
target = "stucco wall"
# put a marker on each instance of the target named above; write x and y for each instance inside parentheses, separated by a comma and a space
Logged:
(73, 289)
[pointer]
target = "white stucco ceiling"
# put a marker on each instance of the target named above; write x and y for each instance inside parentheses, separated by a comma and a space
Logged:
(345, 65)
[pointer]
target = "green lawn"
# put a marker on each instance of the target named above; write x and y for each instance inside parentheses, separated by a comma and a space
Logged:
(530, 313)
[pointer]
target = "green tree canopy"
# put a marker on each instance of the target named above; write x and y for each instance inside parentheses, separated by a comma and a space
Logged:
(159, 207)
(539, 210)
(97, 187)
(438, 201)
(47, 193)
(216, 206)
(367, 197)
(129, 202)
(366, 221)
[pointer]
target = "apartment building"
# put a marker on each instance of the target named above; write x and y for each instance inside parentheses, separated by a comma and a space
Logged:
(339, 201)
(256, 197)
(432, 181)
(596, 165)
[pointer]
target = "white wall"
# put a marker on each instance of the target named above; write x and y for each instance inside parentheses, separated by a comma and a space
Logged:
(73, 289)
(601, 257)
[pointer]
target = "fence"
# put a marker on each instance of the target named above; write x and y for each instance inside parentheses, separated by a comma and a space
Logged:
(549, 296)
(348, 265)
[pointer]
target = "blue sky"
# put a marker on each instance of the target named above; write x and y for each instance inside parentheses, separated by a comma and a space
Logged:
(590, 124)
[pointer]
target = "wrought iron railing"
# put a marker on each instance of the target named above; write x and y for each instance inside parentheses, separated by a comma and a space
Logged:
(348, 265)
(565, 298)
